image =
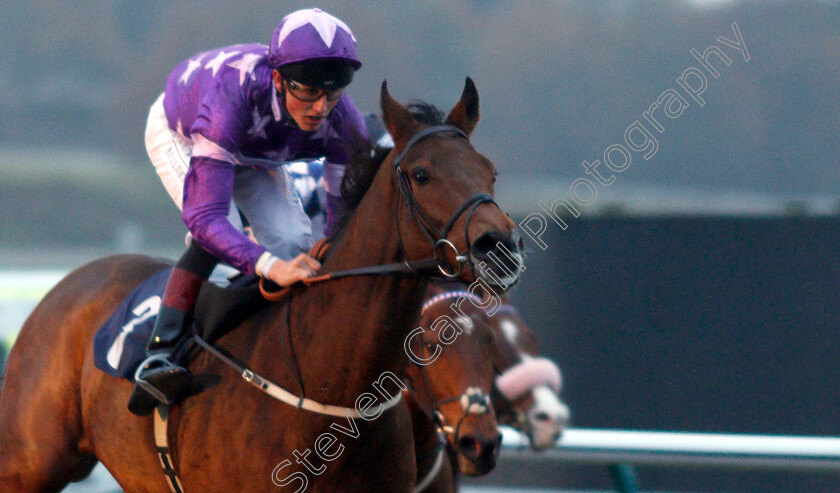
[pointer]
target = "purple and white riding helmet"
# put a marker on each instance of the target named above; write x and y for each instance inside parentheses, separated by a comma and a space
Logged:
(314, 48)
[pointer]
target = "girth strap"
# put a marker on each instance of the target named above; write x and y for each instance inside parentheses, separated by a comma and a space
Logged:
(162, 446)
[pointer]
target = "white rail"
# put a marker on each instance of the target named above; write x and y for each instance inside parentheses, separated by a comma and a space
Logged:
(660, 448)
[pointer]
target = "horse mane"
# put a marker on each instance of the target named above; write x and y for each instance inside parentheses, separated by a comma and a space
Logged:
(362, 168)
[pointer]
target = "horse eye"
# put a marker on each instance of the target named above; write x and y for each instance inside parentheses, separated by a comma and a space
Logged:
(421, 176)
(495, 175)
(430, 346)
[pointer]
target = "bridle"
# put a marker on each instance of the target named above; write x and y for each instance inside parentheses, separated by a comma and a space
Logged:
(430, 231)
(437, 237)
(478, 403)
(504, 407)
(473, 401)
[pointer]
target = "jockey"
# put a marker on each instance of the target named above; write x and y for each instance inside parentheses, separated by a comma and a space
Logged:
(218, 137)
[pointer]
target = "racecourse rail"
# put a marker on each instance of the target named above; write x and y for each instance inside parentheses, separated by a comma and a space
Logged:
(622, 450)
(660, 448)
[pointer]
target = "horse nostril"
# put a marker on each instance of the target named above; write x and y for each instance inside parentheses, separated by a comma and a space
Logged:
(496, 258)
(468, 447)
(492, 447)
(500, 248)
(486, 243)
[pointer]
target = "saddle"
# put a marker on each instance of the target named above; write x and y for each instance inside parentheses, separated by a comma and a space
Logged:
(219, 310)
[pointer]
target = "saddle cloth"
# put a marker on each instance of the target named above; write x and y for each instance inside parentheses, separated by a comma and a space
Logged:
(119, 346)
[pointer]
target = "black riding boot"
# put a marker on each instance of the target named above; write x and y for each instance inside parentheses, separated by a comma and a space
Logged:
(158, 379)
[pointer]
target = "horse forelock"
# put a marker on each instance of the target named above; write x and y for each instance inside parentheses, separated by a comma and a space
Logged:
(424, 112)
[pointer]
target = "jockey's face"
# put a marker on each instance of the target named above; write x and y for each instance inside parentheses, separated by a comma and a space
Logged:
(309, 115)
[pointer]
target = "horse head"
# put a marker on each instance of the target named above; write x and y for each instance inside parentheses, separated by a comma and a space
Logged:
(526, 393)
(447, 210)
(454, 381)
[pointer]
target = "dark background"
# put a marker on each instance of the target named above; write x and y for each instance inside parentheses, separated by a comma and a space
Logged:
(712, 324)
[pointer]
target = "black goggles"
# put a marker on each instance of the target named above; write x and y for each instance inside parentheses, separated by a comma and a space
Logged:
(311, 94)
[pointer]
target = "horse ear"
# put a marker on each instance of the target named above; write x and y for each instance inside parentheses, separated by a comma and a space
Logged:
(464, 114)
(398, 120)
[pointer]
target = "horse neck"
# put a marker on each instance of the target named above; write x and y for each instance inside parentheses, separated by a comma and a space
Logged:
(350, 331)
(425, 434)
(370, 237)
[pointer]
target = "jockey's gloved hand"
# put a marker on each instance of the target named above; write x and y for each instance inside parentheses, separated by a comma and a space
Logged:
(285, 273)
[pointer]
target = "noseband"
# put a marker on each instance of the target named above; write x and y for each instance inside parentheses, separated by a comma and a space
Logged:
(473, 401)
(437, 237)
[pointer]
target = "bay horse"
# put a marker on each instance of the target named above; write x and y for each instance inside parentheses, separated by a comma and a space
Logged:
(512, 365)
(450, 382)
(431, 198)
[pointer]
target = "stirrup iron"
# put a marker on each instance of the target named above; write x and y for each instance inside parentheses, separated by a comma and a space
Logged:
(144, 384)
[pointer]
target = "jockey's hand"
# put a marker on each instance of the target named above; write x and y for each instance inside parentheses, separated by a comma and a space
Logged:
(287, 273)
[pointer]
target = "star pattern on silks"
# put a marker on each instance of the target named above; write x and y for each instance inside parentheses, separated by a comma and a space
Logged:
(257, 130)
(246, 65)
(217, 62)
(192, 66)
(324, 23)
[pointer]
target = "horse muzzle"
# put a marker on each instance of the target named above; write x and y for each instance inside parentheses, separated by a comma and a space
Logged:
(547, 419)
(497, 258)
(478, 455)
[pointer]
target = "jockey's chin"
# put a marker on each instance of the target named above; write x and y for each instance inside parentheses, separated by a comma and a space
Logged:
(310, 123)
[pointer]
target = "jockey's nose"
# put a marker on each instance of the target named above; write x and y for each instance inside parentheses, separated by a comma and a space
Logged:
(320, 105)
